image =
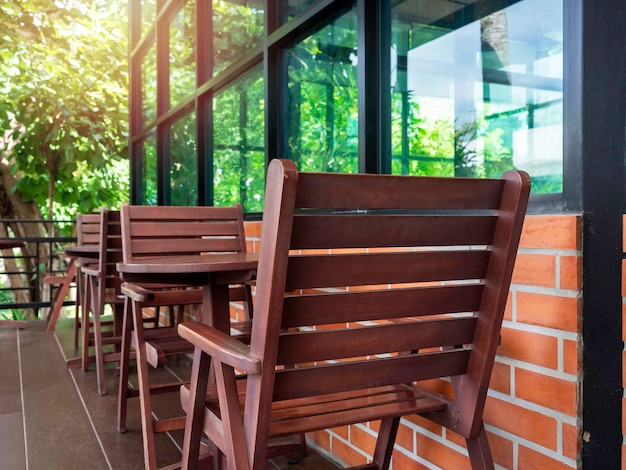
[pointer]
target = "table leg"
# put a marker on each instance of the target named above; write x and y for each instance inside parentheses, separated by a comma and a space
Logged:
(215, 305)
(58, 303)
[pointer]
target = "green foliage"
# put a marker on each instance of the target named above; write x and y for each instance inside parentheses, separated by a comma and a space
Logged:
(64, 87)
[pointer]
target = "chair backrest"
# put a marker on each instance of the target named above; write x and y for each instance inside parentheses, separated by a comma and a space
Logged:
(88, 229)
(371, 280)
(150, 231)
(110, 249)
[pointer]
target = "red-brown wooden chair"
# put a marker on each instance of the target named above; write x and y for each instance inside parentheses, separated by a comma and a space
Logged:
(367, 284)
(103, 286)
(169, 231)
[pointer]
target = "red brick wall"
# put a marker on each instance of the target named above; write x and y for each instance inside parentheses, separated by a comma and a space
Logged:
(533, 409)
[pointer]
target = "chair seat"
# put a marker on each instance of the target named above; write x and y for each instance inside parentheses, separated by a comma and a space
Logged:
(291, 417)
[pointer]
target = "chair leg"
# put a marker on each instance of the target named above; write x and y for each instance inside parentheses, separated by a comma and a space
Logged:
(87, 307)
(195, 410)
(479, 451)
(78, 307)
(122, 395)
(145, 403)
(384, 443)
(97, 333)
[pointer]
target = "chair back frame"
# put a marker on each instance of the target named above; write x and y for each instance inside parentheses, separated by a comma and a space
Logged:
(365, 283)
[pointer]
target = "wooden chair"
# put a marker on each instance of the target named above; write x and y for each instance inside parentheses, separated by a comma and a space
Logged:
(168, 231)
(367, 284)
(103, 286)
(87, 234)
(88, 229)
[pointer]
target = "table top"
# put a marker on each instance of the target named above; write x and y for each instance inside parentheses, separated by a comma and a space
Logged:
(80, 251)
(190, 264)
(6, 243)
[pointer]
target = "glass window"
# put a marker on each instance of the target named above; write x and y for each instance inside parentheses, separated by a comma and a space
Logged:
(323, 99)
(183, 171)
(182, 54)
(148, 87)
(239, 143)
(148, 168)
(476, 96)
(238, 27)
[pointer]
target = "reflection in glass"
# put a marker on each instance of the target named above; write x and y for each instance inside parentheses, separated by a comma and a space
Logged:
(182, 54)
(183, 169)
(148, 165)
(294, 7)
(148, 88)
(238, 28)
(323, 99)
(148, 15)
(476, 96)
(239, 155)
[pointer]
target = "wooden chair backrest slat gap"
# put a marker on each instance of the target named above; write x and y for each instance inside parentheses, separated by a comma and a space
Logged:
(330, 308)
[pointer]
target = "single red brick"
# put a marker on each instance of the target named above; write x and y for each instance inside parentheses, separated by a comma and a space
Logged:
(561, 232)
(562, 313)
(532, 460)
(550, 392)
(571, 272)
(535, 270)
(530, 347)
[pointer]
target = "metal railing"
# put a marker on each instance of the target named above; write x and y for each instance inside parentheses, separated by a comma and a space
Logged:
(27, 266)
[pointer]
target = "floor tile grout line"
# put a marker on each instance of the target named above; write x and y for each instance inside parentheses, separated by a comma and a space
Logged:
(82, 401)
(19, 366)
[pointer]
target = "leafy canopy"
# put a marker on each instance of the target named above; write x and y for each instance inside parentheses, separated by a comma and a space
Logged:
(64, 115)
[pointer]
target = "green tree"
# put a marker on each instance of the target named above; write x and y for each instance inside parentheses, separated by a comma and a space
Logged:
(63, 112)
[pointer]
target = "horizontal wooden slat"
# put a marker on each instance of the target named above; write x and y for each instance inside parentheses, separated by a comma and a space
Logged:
(144, 247)
(173, 213)
(315, 271)
(311, 346)
(187, 229)
(342, 191)
(368, 231)
(321, 309)
(339, 377)
(302, 408)
(341, 417)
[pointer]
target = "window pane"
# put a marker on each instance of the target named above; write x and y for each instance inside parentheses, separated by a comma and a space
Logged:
(148, 189)
(148, 86)
(238, 27)
(239, 155)
(182, 54)
(323, 99)
(183, 167)
(476, 96)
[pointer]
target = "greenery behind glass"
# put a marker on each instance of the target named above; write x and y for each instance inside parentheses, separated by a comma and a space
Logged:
(239, 155)
(183, 162)
(323, 99)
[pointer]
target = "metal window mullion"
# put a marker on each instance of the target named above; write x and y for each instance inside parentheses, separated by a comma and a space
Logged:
(163, 104)
(374, 84)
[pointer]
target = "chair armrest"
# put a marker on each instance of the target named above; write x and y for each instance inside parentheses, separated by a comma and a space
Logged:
(136, 292)
(91, 270)
(220, 346)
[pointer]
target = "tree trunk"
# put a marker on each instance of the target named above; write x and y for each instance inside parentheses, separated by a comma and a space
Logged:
(13, 207)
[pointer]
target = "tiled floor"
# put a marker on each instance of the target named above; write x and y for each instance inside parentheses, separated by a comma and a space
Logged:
(52, 418)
